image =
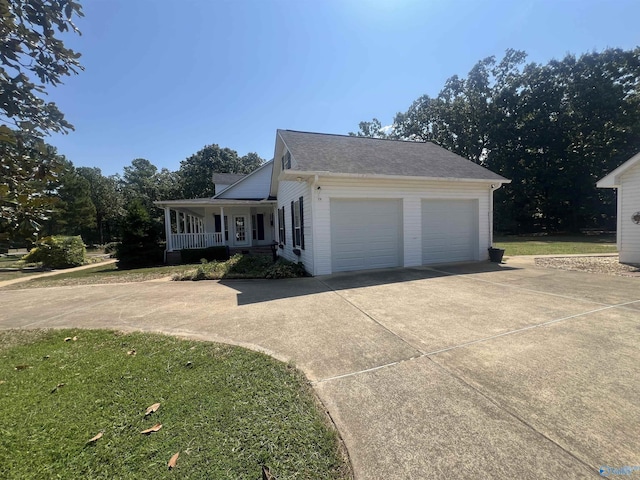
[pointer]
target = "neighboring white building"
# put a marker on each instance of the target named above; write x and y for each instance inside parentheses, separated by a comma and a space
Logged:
(341, 203)
(626, 179)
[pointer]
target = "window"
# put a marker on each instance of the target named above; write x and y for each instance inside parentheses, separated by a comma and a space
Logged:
(281, 230)
(257, 226)
(218, 226)
(286, 161)
(297, 220)
(254, 232)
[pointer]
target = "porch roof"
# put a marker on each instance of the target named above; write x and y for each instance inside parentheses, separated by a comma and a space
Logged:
(214, 202)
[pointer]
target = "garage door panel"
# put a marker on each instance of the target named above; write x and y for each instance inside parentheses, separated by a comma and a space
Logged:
(365, 234)
(449, 231)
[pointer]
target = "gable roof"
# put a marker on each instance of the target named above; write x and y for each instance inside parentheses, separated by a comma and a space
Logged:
(320, 152)
(249, 186)
(227, 178)
(613, 179)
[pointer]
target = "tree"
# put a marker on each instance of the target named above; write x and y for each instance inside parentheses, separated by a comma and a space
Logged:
(553, 129)
(28, 167)
(108, 201)
(74, 211)
(30, 50)
(140, 243)
(197, 170)
(372, 129)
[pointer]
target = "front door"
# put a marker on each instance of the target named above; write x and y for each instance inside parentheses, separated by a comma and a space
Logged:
(240, 228)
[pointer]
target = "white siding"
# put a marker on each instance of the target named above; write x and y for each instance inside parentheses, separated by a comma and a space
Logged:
(288, 192)
(412, 193)
(253, 186)
(628, 204)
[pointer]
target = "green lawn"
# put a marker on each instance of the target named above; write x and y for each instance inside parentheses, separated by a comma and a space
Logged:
(227, 410)
(103, 274)
(552, 245)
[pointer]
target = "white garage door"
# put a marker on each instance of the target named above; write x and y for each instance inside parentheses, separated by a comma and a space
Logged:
(449, 231)
(365, 234)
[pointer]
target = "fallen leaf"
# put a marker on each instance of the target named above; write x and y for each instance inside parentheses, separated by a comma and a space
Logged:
(74, 339)
(152, 409)
(173, 460)
(22, 367)
(153, 429)
(68, 339)
(266, 473)
(60, 385)
(131, 352)
(2, 381)
(96, 438)
(46, 357)
(189, 364)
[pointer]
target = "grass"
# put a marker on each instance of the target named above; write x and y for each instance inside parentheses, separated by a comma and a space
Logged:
(101, 274)
(227, 410)
(556, 245)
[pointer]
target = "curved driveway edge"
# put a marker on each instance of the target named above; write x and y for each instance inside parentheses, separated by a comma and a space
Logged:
(472, 371)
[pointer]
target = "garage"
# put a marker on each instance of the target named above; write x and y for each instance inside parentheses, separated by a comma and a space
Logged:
(449, 231)
(365, 234)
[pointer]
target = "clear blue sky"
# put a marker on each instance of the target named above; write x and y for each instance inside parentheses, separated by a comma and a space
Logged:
(164, 78)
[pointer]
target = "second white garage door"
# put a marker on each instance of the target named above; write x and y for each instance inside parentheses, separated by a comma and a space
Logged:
(449, 231)
(365, 234)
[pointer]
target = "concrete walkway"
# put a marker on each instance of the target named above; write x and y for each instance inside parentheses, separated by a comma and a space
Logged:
(468, 371)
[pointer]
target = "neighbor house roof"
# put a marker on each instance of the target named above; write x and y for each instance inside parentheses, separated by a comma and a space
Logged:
(227, 178)
(320, 152)
(613, 179)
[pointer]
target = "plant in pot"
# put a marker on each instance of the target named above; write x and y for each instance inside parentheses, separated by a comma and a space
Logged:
(496, 254)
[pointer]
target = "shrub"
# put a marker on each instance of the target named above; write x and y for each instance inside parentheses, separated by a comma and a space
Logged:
(58, 252)
(140, 244)
(285, 269)
(111, 247)
(209, 254)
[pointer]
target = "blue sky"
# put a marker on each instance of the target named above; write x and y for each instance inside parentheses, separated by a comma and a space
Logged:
(164, 78)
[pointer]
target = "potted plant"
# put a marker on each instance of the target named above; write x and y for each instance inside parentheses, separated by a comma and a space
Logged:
(495, 254)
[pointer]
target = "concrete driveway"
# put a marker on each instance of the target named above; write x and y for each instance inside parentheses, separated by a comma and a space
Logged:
(473, 371)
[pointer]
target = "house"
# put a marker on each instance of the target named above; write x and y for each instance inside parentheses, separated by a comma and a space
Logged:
(341, 203)
(626, 179)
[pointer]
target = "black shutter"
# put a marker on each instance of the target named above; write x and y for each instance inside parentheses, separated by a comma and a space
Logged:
(301, 223)
(293, 225)
(260, 220)
(218, 222)
(284, 230)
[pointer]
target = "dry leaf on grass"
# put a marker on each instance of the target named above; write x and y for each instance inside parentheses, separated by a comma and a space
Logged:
(266, 473)
(96, 438)
(68, 339)
(152, 409)
(131, 352)
(173, 461)
(55, 389)
(22, 367)
(153, 429)
(74, 339)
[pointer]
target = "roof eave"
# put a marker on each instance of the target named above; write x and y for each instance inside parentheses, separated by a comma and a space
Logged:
(613, 179)
(294, 174)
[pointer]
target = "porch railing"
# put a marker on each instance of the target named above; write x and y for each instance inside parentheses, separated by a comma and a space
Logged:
(181, 241)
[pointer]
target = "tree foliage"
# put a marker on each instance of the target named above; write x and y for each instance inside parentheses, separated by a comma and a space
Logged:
(141, 235)
(196, 171)
(552, 129)
(30, 52)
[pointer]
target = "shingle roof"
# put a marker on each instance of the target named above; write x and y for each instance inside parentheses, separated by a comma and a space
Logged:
(360, 155)
(227, 178)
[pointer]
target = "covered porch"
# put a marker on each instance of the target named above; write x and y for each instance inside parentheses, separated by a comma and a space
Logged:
(206, 222)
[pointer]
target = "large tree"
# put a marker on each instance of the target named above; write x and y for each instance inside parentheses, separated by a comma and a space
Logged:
(74, 210)
(197, 170)
(32, 57)
(108, 201)
(552, 129)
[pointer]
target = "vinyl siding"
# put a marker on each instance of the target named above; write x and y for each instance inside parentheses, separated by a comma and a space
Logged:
(411, 193)
(629, 203)
(288, 192)
(253, 186)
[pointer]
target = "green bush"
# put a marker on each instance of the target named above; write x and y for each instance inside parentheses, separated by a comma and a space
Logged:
(58, 252)
(209, 254)
(140, 246)
(285, 269)
(111, 247)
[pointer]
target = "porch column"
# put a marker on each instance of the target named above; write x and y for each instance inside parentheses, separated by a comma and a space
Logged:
(224, 242)
(184, 220)
(167, 228)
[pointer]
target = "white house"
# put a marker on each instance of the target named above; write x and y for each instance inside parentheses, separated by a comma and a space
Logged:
(341, 203)
(626, 179)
